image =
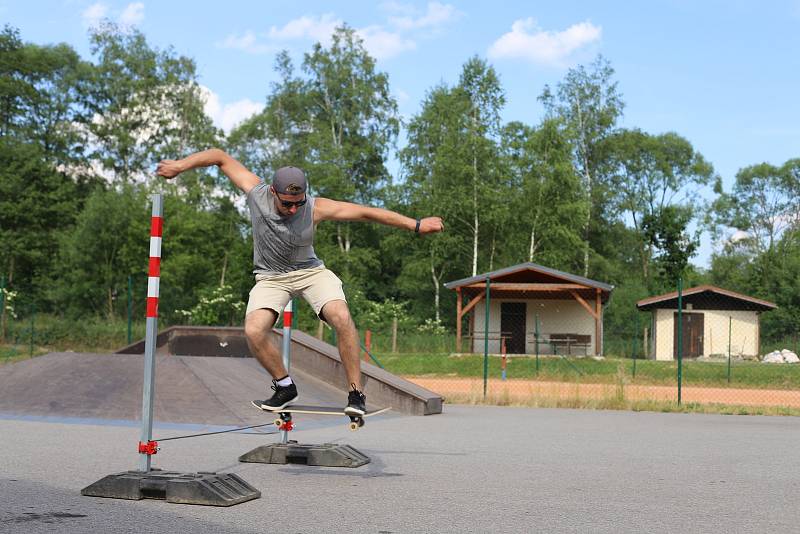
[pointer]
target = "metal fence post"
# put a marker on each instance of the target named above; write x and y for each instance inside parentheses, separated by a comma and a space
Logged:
(33, 327)
(536, 342)
(151, 332)
(130, 308)
(486, 339)
(635, 343)
(680, 336)
(287, 349)
(2, 308)
(730, 324)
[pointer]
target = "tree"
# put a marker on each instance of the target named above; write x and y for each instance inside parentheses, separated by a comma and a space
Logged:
(438, 179)
(145, 104)
(650, 173)
(666, 232)
(763, 207)
(546, 197)
(587, 105)
(40, 90)
(480, 85)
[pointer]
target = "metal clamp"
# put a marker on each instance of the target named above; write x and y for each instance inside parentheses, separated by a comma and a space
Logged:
(149, 448)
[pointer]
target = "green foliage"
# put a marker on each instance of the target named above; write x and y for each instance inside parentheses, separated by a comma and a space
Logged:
(145, 104)
(666, 232)
(78, 141)
(7, 297)
(220, 306)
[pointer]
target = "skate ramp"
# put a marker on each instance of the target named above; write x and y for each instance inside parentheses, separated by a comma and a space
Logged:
(188, 389)
(311, 356)
(203, 376)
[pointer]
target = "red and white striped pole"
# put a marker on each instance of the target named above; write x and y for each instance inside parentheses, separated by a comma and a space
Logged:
(146, 445)
(287, 348)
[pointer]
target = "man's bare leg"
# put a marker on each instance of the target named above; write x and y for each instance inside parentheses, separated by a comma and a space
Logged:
(258, 330)
(337, 314)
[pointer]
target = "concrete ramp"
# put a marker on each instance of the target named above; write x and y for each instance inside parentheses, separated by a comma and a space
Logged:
(315, 358)
(189, 389)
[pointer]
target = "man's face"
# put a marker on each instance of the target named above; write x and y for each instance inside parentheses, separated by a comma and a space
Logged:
(287, 205)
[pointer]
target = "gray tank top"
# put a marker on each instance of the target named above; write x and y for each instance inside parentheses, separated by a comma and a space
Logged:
(280, 244)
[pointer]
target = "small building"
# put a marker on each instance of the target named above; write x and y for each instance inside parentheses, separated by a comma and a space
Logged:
(714, 321)
(531, 308)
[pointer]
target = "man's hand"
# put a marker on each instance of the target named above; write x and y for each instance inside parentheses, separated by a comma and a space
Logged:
(169, 168)
(431, 225)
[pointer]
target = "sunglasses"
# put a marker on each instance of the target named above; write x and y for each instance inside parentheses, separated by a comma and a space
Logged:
(290, 203)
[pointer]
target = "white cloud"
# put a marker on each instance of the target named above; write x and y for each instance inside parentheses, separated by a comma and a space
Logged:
(319, 29)
(527, 41)
(738, 235)
(247, 42)
(382, 44)
(436, 16)
(93, 14)
(398, 7)
(227, 116)
(133, 14)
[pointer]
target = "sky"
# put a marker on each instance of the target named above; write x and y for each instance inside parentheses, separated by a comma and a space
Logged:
(723, 74)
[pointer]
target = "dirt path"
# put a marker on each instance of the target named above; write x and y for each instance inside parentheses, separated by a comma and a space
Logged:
(516, 389)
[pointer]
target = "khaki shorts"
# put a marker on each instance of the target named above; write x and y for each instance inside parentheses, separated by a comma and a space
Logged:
(317, 286)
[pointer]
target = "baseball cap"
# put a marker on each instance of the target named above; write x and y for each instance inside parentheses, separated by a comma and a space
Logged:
(289, 181)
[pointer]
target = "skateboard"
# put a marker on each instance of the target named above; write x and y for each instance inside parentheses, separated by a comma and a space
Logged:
(284, 419)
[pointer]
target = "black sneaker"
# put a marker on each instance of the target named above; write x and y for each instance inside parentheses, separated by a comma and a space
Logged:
(284, 395)
(356, 402)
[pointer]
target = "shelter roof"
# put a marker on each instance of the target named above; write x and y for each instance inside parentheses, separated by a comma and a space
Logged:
(707, 297)
(530, 273)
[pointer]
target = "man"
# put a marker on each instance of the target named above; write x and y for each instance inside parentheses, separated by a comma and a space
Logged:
(284, 217)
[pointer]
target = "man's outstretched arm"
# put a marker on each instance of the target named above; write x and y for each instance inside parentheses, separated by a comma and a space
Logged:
(333, 210)
(235, 171)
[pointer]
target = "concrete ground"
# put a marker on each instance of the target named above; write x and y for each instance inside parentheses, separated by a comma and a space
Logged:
(470, 469)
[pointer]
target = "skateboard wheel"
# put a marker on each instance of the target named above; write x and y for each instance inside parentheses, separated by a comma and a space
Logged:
(278, 422)
(354, 426)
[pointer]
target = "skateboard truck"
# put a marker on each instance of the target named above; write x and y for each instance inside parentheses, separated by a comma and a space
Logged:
(356, 422)
(149, 448)
(284, 421)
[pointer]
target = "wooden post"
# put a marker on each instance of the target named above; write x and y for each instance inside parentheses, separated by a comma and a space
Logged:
(367, 344)
(598, 319)
(458, 319)
(394, 335)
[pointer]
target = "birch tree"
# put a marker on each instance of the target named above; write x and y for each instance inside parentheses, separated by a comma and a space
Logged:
(588, 105)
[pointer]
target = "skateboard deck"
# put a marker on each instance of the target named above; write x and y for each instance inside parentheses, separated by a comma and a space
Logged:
(284, 421)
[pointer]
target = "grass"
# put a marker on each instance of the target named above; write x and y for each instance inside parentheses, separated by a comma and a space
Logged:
(588, 370)
(92, 334)
(618, 403)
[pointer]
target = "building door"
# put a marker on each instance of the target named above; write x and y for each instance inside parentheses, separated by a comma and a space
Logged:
(512, 326)
(692, 335)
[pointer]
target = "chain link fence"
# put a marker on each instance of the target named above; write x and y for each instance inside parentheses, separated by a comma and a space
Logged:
(701, 348)
(698, 349)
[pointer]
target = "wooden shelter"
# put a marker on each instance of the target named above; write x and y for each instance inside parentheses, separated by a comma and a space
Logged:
(561, 309)
(715, 322)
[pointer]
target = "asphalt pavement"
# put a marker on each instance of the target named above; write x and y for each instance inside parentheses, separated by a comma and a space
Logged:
(470, 469)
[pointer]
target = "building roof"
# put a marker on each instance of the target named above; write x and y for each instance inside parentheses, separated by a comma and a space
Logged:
(533, 269)
(707, 297)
